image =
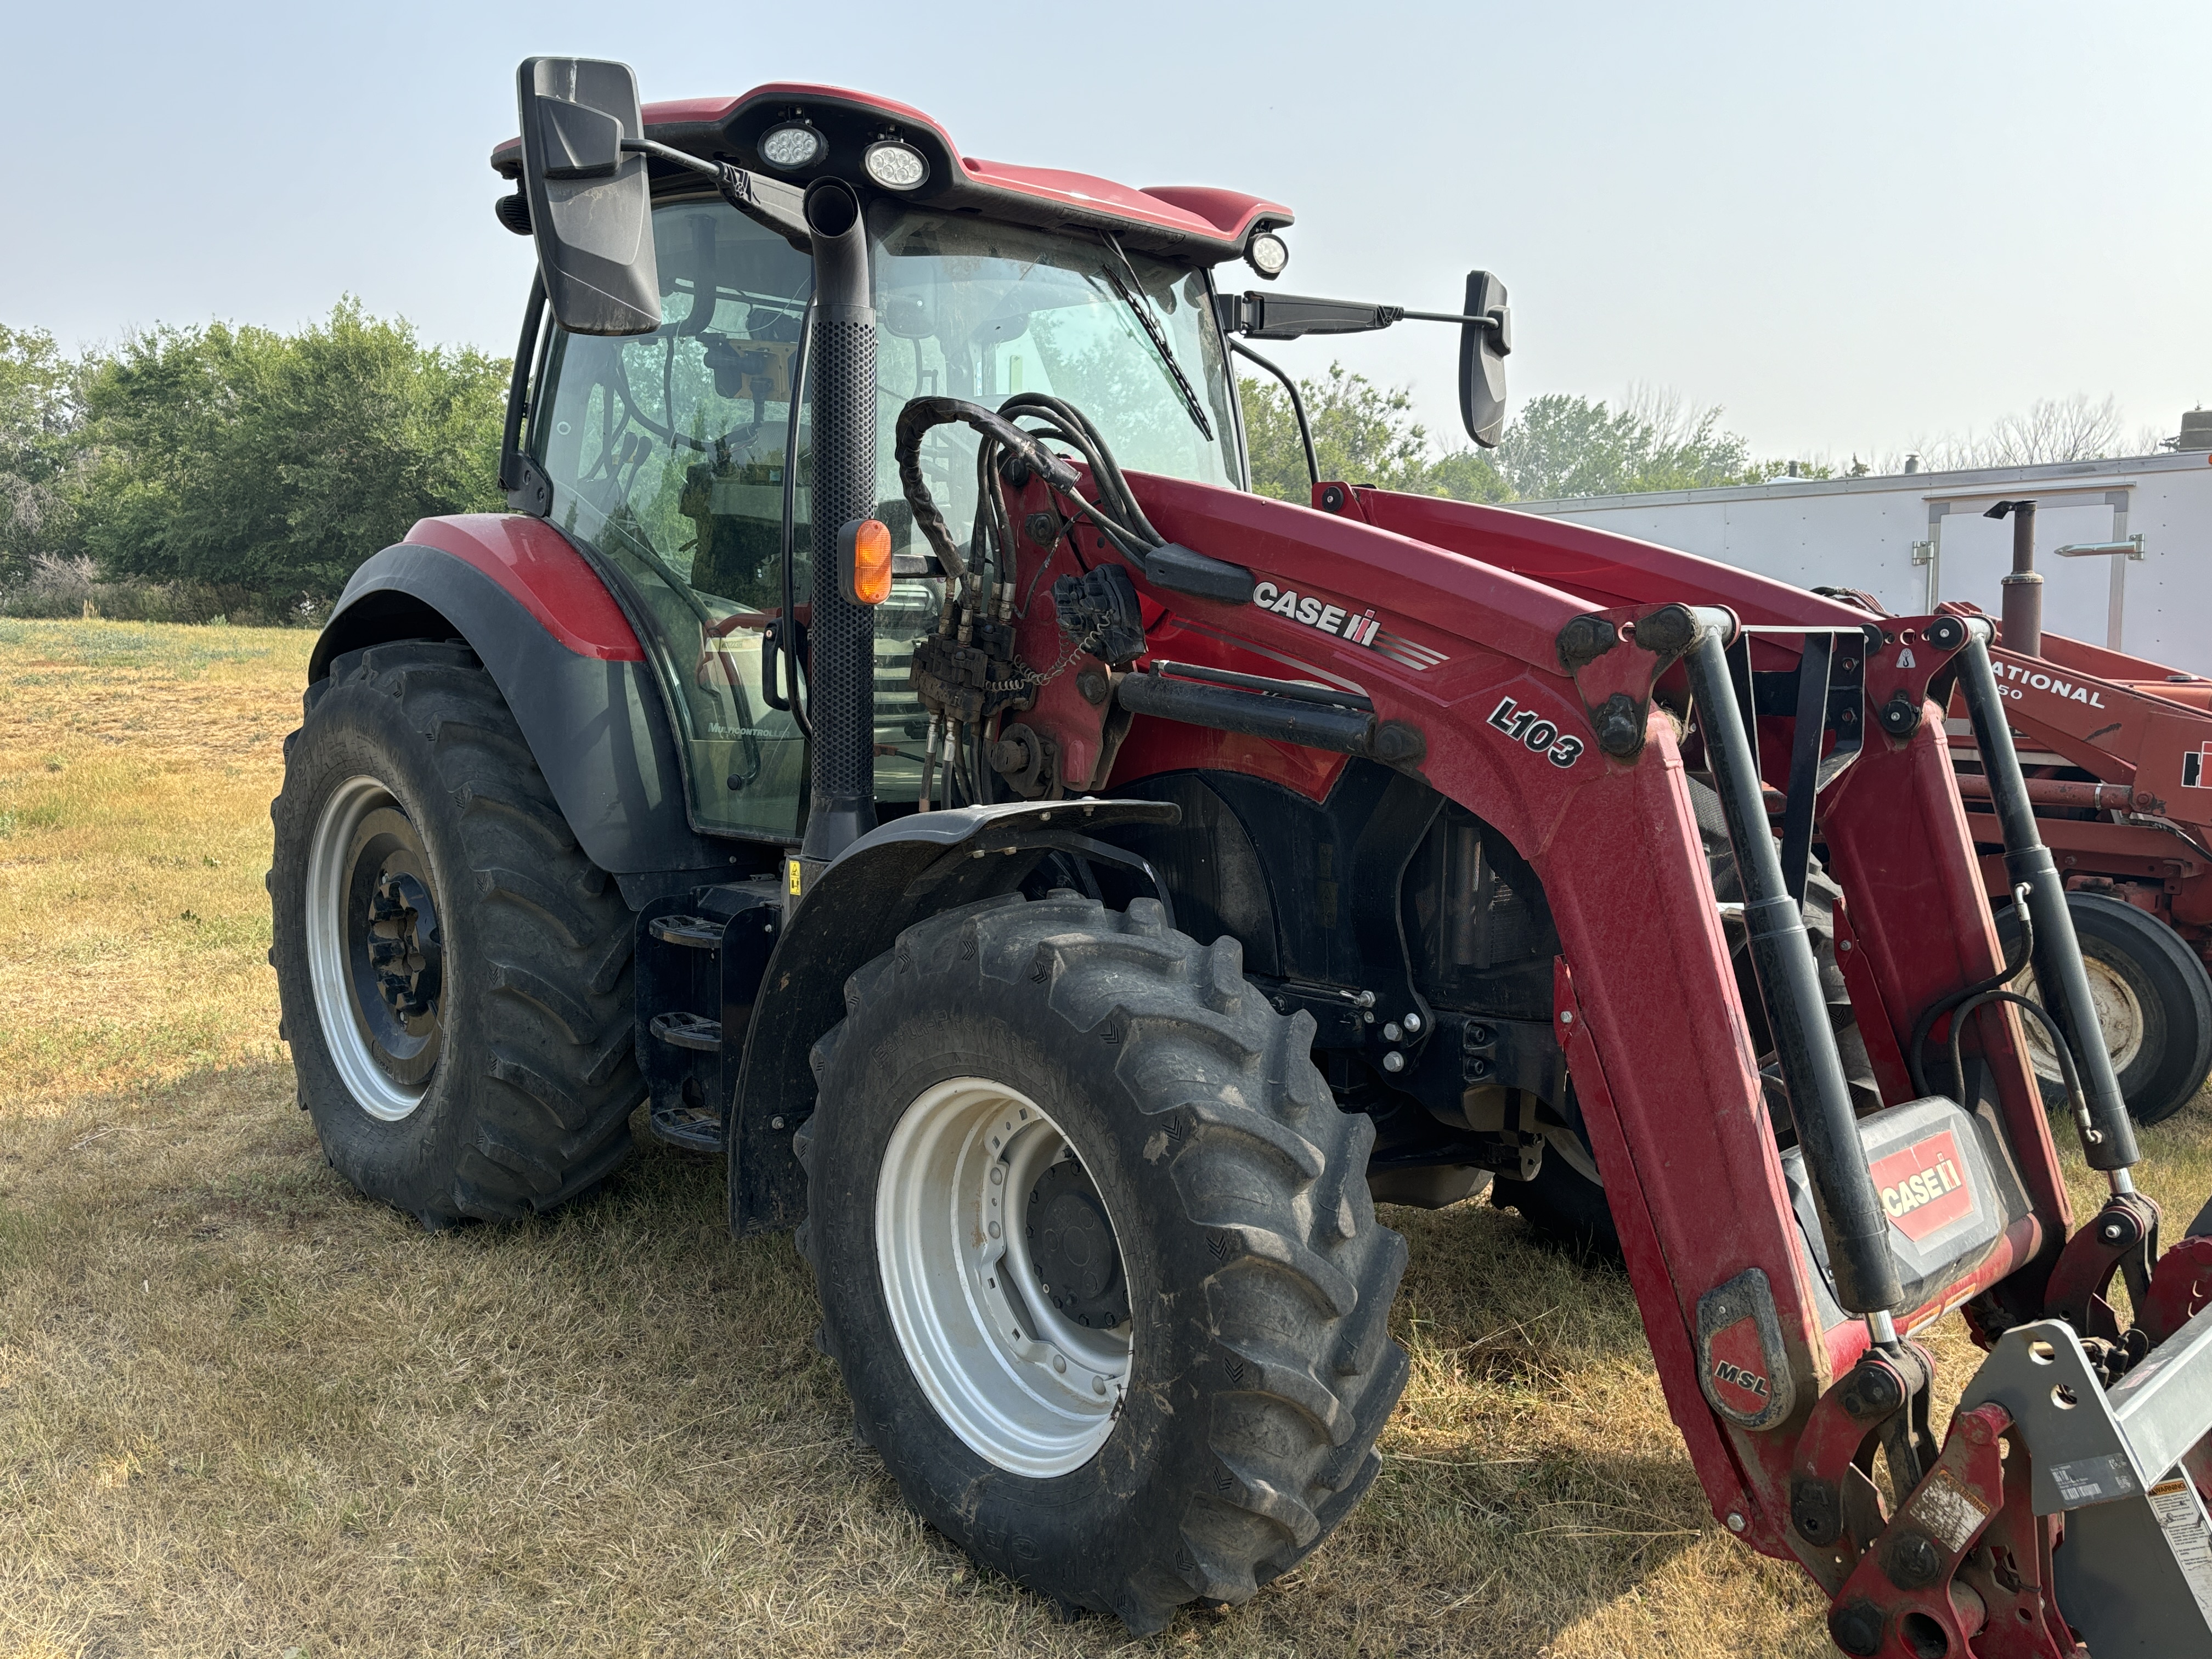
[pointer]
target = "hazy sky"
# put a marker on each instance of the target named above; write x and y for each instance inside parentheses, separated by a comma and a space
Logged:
(1851, 226)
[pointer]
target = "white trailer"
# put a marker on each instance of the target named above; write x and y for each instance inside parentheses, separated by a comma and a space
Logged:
(2124, 545)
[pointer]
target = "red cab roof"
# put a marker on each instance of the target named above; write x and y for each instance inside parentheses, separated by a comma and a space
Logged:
(1195, 222)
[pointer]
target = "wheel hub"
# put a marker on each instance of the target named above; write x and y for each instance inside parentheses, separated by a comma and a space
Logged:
(375, 948)
(1078, 1265)
(404, 946)
(2119, 1019)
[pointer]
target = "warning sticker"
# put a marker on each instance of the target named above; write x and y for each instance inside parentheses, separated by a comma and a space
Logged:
(1948, 1511)
(2094, 1480)
(2181, 1518)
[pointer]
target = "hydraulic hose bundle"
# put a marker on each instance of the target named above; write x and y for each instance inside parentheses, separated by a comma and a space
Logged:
(967, 674)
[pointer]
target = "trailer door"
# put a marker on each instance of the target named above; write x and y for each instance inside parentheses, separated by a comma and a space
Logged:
(2081, 596)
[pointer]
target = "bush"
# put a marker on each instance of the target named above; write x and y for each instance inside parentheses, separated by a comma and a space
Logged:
(59, 586)
(232, 472)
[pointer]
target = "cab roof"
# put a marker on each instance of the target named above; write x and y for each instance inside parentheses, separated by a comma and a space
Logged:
(1194, 223)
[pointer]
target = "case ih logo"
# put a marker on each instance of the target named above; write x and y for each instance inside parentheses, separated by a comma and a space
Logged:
(1739, 1367)
(2197, 768)
(1361, 628)
(1924, 1188)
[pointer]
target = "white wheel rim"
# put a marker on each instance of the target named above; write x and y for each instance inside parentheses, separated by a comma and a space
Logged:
(329, 873)
(1022, 1384)
(2119, 1019)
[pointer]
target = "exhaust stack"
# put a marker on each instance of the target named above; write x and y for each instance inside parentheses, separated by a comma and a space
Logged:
(2023, 588)
(842, 679)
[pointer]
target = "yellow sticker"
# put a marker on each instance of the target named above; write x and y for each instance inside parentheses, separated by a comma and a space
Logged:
(793, 864)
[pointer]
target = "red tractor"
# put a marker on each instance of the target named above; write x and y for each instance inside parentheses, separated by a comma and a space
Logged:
(887, 740)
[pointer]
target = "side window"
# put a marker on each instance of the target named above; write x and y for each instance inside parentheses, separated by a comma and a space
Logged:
(666, 453)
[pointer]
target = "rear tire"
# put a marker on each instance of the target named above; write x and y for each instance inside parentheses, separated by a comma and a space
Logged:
(2154, 1005)
(1220, 1403)
(454, 973)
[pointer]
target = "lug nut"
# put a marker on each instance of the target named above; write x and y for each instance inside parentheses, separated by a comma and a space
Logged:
(1393, 1061)
(1412, 1024)
(1391, 1033)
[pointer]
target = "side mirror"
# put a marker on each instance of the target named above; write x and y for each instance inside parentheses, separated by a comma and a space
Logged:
(591, 207)
(1485, 340)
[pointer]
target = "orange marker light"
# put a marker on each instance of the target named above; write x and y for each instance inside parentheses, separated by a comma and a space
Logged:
(863, 561)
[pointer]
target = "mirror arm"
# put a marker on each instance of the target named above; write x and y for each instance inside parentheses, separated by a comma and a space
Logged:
(768, 201)
(1490, 320)
(1246, 313)
(527, 490)
(1298, 405)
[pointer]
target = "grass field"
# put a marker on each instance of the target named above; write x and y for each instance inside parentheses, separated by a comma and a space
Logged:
(243, 1411)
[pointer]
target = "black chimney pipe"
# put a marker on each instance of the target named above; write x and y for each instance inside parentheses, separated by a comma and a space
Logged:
(842, 676)
(2023, 588)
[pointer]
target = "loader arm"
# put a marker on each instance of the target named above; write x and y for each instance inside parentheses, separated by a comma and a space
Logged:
(1543, 670)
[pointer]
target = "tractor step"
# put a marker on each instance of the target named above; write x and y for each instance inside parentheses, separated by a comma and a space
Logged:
(691, 1128)
(696, 933)
(689, 1031)
(2135, 1572)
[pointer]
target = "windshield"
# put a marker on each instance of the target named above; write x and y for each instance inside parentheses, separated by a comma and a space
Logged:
(665, 451)
(967, 308)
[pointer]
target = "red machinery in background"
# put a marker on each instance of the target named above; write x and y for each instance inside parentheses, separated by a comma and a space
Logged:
(2118, 754)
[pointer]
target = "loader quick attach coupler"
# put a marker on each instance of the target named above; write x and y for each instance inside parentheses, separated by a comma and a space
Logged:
(2063, 1508)
(1880, 1404)
(1964, 1568)
(2121, 1239)
(2115, 1472)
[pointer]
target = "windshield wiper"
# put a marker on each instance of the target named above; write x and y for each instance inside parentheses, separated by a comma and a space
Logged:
(1130, 294)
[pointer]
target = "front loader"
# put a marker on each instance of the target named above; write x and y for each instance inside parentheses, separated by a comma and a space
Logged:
(887, 742)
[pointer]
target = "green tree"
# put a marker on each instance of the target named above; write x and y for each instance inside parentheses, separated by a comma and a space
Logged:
(1362, 434)
(41, 448)
(1559, 445)
(236, 456)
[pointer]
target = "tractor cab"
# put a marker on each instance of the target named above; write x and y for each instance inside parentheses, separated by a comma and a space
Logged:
(674, 454)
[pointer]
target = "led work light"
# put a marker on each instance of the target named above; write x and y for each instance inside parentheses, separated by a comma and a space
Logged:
(792, 147)
(1269, 254)
(893, 165)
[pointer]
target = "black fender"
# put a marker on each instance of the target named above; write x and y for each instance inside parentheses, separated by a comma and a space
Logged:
(597, 728)
(856, 907)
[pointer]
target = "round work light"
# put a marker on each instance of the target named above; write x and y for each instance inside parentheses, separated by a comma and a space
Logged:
(893, 165)
(792, 147)
(1269, 254)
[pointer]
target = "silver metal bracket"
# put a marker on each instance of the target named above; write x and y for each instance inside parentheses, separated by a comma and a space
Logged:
(2133, 1573)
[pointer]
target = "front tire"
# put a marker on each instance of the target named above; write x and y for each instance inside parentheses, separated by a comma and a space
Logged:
(1095, 1254)
(2153, 1003)
(454, 973)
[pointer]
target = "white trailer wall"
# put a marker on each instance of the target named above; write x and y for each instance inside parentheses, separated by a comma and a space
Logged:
(1915, 540)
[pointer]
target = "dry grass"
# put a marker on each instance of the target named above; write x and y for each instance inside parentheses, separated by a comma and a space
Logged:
(136, 768)
(244, 1411)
